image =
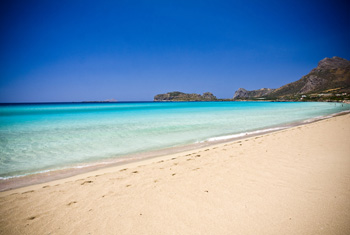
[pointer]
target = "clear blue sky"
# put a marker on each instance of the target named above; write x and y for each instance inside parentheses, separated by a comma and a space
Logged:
(132, 50)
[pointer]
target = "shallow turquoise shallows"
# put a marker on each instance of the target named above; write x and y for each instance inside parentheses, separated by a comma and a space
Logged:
(43, 137)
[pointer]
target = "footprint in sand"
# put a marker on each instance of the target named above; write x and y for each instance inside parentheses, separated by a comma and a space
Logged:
(31, 191)
(71, 203)
(87, 182)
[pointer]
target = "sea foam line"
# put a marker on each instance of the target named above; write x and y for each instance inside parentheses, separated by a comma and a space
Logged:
(234, 136)
(325, 117)
(227, 137)
(62, 168)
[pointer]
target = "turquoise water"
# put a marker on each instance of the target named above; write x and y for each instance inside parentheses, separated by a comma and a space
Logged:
(42, 137)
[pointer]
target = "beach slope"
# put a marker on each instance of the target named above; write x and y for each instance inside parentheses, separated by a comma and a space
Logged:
(294, 181)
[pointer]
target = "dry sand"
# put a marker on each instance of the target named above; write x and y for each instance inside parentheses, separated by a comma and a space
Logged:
(295, 181)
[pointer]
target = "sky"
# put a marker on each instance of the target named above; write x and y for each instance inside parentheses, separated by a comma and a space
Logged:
(63, 51)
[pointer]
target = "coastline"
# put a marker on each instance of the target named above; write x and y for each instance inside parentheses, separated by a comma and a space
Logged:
(293, 181)
(90, 167)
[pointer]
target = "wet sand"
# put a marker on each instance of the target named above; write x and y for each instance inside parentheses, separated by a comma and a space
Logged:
(294, 181)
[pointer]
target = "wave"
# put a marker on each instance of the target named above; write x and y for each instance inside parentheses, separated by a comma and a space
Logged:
(262, 131)
(234, 136)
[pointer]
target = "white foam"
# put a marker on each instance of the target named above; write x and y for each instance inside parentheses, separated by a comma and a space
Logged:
(234, 136)
(18, 176)
(325, 117)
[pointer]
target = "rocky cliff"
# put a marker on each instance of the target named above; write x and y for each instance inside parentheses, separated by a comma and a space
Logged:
(331, 75)
(180, 96)
(243, 93)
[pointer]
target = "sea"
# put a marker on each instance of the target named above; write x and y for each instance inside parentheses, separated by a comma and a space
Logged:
(47, 137)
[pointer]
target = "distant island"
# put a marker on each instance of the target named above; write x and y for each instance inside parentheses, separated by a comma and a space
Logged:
(180, 96)
(329, 81)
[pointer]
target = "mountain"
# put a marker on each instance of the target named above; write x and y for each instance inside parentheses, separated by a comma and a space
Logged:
(180, 96)
(243, 93)
(332, 75)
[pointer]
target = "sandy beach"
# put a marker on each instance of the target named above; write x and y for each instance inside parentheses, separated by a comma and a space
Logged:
(294, 181)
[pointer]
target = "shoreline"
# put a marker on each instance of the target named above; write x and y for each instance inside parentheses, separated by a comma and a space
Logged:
(47, 176)
(292, 181)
